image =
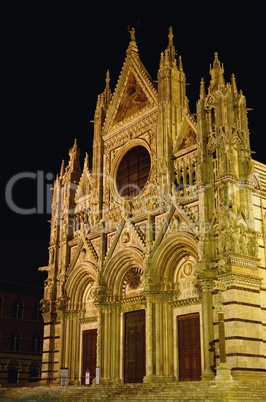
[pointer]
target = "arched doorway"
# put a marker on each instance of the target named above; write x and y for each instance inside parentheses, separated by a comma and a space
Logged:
(13, 368)
(34, 371)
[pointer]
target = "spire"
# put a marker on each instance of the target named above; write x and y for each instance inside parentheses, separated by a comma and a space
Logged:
(62, 168)
(216, 72)
(171, 48)
(132, 44)
(107, 91)
(172, 102)
(103, 102)
(180, 63)
(74, 153)
(202, 89)
(233, 83)
(168, 56)
(86, 161)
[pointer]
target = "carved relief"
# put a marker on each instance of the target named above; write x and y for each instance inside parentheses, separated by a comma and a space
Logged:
(132, 283)
(189, 138)
(186, 281)
(134, 99)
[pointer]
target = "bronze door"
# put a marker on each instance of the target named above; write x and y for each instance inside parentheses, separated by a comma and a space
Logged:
(89, 353)
(189, 347)
(134, 352)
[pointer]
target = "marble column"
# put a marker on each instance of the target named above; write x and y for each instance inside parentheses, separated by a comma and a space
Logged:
(223, 371)
(207, 306)
(149, 338)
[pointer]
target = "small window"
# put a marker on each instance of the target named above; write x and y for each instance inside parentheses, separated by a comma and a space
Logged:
(36, 344)
(15, 342)
(37, 313)
(17, 308)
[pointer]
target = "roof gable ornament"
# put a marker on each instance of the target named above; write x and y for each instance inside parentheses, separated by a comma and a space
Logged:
(132, 44)
(135, 90)
(217, 74)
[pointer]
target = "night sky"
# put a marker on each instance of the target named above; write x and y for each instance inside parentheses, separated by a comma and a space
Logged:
(54, 60)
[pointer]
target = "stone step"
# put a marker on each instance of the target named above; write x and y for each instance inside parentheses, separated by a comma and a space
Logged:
(231, 391)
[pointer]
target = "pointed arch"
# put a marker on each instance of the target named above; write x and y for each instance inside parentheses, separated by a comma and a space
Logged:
(80, 282)
(117, 268)
(255, 181)
(167, 257)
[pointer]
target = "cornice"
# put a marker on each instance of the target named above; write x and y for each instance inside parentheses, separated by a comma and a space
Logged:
(185, 302)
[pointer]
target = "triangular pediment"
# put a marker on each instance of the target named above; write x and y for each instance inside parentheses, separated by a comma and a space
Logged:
(82, 252)
(181, 221)
(175, 221)
(135, 92)
(74, 254)
(187, 137)
(128, 236)
(133, 100)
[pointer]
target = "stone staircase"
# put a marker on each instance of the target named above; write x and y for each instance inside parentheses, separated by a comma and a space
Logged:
(212, 391)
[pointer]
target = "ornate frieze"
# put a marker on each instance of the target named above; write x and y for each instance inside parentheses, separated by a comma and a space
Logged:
(191, 301)
(246, 282)
(133, 303)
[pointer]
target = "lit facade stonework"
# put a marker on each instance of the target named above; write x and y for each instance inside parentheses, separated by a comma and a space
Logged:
(157, 260)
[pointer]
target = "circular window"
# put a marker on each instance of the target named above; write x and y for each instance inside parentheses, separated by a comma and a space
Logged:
(133, 172)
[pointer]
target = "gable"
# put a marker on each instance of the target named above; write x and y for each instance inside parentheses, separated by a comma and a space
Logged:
(135, 92)
(187, 136)
(133, 100)
(84, 186)
(128, 236)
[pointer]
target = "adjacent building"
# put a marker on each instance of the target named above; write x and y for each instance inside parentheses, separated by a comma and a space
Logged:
(157, 259)
(21, 333)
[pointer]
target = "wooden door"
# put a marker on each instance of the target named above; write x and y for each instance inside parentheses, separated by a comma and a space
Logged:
(134, 350)
(189, 347)
(89, 353)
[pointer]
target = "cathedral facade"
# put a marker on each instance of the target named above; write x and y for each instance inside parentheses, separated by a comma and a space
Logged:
(157, 254)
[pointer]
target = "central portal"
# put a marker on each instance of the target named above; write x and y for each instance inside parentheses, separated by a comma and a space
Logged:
(134, 352)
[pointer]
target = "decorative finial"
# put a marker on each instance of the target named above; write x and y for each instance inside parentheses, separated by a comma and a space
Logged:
(62, 168)
(86, 160)
(107, 79)
(170, 35)
(131, 30)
